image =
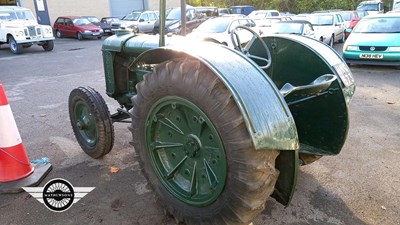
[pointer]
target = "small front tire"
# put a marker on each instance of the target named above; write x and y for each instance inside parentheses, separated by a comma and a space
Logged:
(79, 36)
(48, 46)
(343, 39)
(14, 46)
(331, 41)
(91, 121)
(58, 34)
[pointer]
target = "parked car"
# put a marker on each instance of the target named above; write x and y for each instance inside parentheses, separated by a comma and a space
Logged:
(297, 27)
(259, 14)
(79, 27)
(372, 7)
(375, 40)
(354, 22)
(194, 17)
(348, 16)
(138, 21)
(242, 9)
(219, 29)
(114, 22)
(223, 11)
(109, 19)
(264, 24)
(105, 26)
(19, 28)
(329, 25)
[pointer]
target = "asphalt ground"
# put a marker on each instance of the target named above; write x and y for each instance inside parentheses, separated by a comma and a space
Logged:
(359, 186)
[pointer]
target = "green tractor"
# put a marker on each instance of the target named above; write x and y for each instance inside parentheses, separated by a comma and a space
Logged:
(218, 130)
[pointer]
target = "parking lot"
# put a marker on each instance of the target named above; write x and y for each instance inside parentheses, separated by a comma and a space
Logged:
(359, 186)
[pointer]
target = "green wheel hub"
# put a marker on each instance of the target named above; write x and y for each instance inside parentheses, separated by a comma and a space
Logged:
(86, 123)
(186, 151)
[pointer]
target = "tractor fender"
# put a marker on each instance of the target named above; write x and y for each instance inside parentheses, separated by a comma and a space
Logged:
(267, 117)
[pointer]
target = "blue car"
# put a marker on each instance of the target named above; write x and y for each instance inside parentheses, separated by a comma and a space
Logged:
(374, 41)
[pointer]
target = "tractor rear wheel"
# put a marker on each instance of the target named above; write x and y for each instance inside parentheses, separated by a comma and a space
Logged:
(91, 121)
(195, 149)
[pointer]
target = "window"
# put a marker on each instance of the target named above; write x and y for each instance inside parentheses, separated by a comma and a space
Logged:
(68, 22)
(152, 16)
(60, 21)
(144, 17)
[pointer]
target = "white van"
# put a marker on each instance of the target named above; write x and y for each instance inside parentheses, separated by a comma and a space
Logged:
(372, 7)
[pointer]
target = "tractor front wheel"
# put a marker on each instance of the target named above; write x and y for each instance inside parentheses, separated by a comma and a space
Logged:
(91, 121)
(195, 149)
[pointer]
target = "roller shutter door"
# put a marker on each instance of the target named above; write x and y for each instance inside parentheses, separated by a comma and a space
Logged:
(120, 8)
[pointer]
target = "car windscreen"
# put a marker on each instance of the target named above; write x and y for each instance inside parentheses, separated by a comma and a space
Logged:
(213, 26)
(368, 7)
(287, 28)
(362, 14)
(81, 21)
(321, 20)
(20, 15)
(133, 16)
(346, 16)
(174, 14)
(93, 19)
(378, 25)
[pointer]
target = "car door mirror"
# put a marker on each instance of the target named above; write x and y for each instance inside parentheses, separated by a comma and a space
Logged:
(141, 20)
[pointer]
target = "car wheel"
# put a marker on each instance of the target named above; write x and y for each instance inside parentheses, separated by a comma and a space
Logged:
(331, 41)
(343, 39)
(58, 34)
(14, 46)
(48, 46)
(79, 36)
(91, 121)
(194, 147)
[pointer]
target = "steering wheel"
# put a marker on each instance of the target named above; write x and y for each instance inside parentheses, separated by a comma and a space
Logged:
(245, 50)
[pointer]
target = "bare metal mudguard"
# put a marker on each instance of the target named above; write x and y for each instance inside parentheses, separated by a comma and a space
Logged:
(267, 117)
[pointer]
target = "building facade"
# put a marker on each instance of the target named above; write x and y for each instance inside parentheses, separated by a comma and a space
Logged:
(98, 8)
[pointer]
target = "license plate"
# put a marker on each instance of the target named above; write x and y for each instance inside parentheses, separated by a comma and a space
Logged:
(371, 56)
(107, 30)
(96, 33)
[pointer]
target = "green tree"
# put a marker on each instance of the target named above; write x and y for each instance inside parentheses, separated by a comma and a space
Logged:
(294, 6)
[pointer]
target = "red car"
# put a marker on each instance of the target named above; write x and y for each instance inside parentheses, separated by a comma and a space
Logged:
(79, 27)
(351, 19)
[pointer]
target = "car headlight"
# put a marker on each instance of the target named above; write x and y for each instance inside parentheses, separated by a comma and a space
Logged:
(350, 48)
(19, 33)
(101, 30)
(174, 28)
(48, 30)
(394, 49)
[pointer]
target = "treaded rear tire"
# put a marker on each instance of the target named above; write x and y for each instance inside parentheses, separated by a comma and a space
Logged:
(90, 100)
(251, 174)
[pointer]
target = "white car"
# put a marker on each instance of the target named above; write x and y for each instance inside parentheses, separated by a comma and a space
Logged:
(138, 21)
(295, 27)
(19, 29)
(219, 30)
(258, 14)
(329, 25)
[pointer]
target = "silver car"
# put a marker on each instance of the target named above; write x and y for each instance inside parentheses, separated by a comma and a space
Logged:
(139, 21)
(330, 25)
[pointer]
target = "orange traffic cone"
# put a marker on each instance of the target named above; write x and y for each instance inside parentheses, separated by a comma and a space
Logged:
(15, 168)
